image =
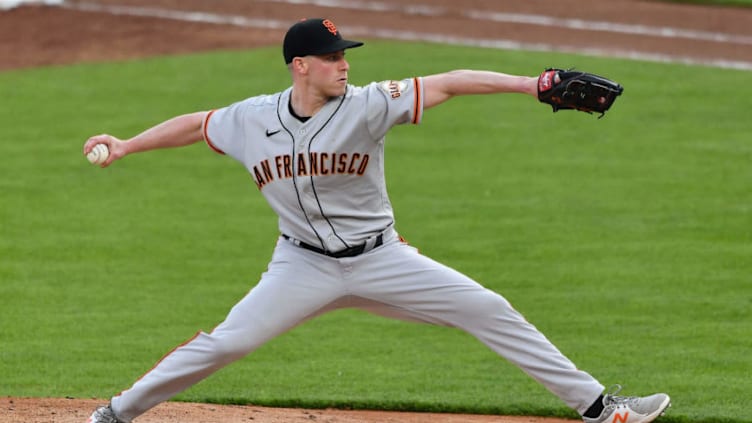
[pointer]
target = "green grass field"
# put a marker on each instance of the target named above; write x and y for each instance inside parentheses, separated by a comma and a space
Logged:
(627, 240)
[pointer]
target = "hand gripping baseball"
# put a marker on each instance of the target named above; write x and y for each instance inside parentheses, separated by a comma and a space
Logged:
(577, 90)
(103, 156)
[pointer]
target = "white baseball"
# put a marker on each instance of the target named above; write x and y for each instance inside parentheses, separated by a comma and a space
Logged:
(98, 154)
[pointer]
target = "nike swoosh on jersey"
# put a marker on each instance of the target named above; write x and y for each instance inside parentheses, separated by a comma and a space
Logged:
(270, 133)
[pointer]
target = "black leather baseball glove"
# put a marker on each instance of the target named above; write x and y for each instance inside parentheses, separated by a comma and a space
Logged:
(583, 91)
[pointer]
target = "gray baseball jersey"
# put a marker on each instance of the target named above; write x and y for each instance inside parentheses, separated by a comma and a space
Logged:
(324, 177)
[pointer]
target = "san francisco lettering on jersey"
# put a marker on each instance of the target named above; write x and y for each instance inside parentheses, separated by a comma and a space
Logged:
(311, 164)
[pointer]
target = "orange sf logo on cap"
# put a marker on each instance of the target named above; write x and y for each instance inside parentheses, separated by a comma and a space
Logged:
(330, 26)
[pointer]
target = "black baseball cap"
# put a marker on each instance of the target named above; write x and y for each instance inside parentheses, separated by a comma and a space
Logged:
(314, 36)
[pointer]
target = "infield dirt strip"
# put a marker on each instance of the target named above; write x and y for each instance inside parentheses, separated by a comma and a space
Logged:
(105, 30)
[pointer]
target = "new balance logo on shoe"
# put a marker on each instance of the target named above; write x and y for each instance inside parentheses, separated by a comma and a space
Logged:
(621, 418)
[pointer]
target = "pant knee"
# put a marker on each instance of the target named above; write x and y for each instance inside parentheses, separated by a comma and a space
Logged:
(223, 348)
(490, 304)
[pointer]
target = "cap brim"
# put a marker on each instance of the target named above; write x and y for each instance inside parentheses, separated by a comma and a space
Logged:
(338, 46)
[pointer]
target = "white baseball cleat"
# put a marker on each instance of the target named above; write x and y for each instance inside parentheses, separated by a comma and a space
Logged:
(617, 409)
(104, 414)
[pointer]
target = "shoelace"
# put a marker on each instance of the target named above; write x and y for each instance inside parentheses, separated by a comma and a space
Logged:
(613, 400)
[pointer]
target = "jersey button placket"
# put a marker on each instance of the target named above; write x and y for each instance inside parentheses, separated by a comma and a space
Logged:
(302, 133)
(330, 240)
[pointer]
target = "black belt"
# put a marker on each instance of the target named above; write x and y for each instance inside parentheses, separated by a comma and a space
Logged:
(347, 252)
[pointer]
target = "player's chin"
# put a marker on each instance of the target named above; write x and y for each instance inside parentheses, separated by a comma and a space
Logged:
(339, 88)
(335, 93)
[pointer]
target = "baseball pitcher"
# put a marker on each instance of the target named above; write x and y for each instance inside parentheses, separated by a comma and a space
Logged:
(315, 152)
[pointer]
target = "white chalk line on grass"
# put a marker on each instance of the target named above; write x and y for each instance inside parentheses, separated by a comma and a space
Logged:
(265, 23)
(530, 19)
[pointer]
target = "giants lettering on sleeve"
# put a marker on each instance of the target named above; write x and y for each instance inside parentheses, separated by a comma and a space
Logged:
(313, 164)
